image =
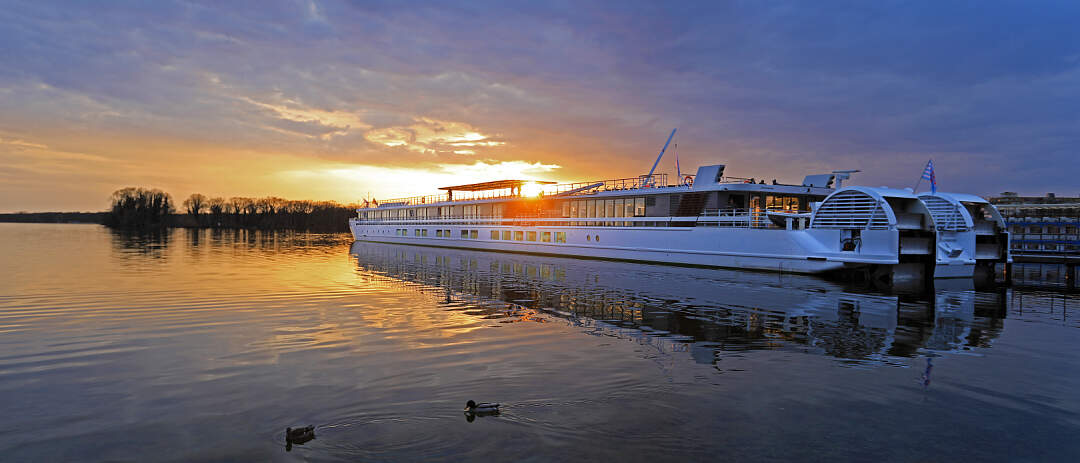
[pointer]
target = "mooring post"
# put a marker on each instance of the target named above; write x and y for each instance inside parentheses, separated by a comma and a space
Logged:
(1070, 276)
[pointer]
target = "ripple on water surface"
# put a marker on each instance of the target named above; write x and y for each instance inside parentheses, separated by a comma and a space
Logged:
(201, 344)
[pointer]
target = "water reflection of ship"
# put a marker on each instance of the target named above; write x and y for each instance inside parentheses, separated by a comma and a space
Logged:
(703, 311)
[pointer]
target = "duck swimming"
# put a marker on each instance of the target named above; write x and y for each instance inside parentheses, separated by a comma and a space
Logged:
(482, 408)
(299, 435)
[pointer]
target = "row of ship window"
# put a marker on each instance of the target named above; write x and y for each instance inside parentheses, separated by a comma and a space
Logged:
(504, 235)
(621, 207)
(1045, 247)
(1050, 229)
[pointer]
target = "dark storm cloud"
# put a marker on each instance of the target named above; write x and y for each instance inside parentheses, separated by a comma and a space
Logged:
(989, 89)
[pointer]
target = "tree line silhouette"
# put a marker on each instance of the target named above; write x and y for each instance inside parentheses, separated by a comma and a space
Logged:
(142, 208)
(139, 208)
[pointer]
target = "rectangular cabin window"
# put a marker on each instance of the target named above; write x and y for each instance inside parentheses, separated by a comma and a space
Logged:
(464, 233)
(423, 232)
(446, 233)
(639, 207)
(519, 236)
(494, 234)
(560, 237)
(506, 234)
(620, 209)
(545, 237)
(438, 233)
(566, 209)
(609, 208)
(574, 207)
(474, 234)
(791, 204)
(530, 236)
(590, 208)
(416, 232)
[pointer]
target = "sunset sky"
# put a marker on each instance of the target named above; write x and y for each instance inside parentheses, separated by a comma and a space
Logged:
(335, 100)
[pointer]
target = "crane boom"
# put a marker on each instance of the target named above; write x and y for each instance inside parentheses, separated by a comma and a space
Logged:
(649, 178)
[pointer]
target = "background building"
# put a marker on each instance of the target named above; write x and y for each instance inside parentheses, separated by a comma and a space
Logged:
(1043, 225)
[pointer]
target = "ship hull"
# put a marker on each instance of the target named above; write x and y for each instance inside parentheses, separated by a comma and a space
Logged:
(792, 251)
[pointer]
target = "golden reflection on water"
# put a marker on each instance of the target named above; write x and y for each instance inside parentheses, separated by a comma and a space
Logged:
(118, 344)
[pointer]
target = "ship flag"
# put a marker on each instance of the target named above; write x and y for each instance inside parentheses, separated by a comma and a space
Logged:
(928, 175)
(678, 170)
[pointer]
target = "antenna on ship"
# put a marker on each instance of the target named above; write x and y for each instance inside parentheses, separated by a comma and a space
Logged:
(842, 175)
(649, 181)
(678, 169)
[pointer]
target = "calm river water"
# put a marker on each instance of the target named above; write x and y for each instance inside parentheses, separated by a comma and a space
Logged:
(204, 345)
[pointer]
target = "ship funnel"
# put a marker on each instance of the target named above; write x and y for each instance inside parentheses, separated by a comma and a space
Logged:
(708, 175)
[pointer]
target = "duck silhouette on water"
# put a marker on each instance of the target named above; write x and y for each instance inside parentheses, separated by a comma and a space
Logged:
(298, 436)
(473, 409)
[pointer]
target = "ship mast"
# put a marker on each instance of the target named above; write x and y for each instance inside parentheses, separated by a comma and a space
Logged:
(649, 178)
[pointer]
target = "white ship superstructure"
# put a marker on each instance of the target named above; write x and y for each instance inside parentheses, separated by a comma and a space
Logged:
(707, 219)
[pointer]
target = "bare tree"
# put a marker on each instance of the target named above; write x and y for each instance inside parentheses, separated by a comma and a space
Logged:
(195, 204)
(216, 206)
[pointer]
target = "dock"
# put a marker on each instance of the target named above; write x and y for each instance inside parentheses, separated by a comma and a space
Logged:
(1044, 230)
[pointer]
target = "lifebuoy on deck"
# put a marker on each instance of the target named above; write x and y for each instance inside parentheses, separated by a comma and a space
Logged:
(688, 180)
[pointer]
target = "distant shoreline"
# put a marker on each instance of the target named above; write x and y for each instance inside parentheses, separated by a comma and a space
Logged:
(174, 221)
(54, 217)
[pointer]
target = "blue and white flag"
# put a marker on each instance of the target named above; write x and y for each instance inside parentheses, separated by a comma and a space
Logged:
(928, 174)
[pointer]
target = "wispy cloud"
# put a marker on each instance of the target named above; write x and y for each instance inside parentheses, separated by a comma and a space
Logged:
(331, 122)
(430, 136)
(16, 143)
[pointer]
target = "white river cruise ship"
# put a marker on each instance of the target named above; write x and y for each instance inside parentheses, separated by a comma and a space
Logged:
(707, 219)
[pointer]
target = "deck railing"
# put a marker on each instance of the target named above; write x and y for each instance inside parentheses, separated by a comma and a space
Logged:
(732, 218)
(630, 183)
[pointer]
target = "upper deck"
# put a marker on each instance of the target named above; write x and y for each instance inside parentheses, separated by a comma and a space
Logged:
(637, 201)
(505, 190)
